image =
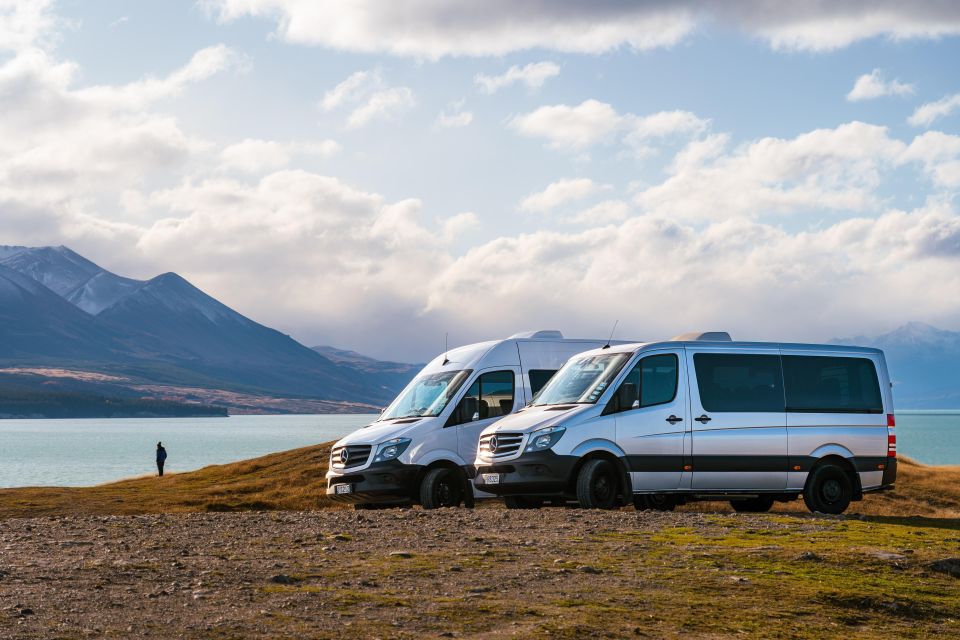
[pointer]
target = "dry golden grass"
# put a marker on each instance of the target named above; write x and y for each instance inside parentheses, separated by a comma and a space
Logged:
(294, 480)
(291, 480)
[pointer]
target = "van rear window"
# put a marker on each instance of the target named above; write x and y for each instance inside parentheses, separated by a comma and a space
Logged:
(739, 382)
(821, 384)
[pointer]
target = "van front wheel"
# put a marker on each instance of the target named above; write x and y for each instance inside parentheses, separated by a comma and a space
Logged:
(597, 485)
(441, 487)
(829, 490)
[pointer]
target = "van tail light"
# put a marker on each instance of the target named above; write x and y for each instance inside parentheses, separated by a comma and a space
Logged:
(891, 436)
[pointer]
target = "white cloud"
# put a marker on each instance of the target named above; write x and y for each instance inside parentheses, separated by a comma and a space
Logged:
(257, 156)
(825, 169)
(737, 271)
(355, 87)
(382, 105)
(497, 27)
(925, 114)
(374, 100)
(455, 119)
(533, 75)
(25, 24)
(572, 127)
(560, 192)
(875, 85)
(602, 213)
(592, 122)
(460, 27)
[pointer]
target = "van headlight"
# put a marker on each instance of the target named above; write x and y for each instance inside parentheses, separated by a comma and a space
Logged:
(391, 449)
(543, 439)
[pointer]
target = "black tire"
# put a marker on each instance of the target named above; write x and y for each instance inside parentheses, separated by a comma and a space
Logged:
(654, 502)
(597, 485)
(829, 489)
(760, 504)
(441, 487)
(523, 502)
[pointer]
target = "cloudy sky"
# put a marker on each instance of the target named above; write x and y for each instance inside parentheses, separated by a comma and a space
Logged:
(372, 175)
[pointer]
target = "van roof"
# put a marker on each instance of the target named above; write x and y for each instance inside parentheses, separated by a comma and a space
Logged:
(733, 346)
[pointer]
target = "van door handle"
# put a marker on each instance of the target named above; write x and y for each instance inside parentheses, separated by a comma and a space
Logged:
(674, 419)
(704, 419)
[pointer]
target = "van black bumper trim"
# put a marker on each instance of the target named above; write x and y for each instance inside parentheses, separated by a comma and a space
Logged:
(542, 473)
(382, 482)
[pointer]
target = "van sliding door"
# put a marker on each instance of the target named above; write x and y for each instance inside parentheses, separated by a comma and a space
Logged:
(739, 436)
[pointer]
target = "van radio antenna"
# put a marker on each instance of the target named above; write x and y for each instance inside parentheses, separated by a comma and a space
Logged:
(445, 348)
(607, 346)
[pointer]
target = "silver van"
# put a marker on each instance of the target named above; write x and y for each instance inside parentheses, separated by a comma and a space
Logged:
(700, 417)
(421, 448)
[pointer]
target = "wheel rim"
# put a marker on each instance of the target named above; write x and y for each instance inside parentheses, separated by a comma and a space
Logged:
(831, 491)
(446, 493)
(602, 488)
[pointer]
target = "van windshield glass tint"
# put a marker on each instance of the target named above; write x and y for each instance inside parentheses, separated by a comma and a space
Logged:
(582, 380)
(831, 385)
(426, 395)
(739, 382)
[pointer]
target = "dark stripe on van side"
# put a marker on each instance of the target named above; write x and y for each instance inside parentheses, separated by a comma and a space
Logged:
(740, 463)
(655, 463)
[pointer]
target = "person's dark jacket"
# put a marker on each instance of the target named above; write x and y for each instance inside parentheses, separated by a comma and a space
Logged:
(161, 454)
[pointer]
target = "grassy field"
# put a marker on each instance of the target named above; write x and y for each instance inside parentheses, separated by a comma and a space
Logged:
(294, 480)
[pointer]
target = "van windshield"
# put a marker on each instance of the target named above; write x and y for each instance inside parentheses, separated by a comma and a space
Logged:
(426, 395)
(582, 380)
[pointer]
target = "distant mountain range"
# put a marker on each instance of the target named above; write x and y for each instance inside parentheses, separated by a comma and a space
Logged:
(164, 337)
(924, 364)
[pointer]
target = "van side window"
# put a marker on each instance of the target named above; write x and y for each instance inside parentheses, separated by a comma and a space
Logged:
(490, 396)
(539, 378)
(739, 382)
(825, 384)
(652, 381)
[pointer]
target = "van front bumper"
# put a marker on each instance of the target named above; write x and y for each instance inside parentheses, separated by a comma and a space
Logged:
(382, 482)
(541, 473)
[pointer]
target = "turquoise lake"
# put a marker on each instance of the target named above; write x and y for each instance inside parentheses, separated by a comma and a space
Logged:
(86, 452)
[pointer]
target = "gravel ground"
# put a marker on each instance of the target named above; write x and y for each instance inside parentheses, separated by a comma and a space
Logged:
(393, 573)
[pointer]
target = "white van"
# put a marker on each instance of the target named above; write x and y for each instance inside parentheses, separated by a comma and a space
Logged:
(421, 448)
(700, 418)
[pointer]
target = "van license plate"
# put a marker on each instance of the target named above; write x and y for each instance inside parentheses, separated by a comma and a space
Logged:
(342, 488)
(491, 478)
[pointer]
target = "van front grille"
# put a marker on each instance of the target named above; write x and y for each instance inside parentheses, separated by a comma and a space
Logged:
(356, 454)
(497, 446)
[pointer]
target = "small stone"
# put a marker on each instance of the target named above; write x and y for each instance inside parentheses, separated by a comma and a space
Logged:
(401, 554)
(342, 537)
(949, 566)
(585, 568)
(283, 579)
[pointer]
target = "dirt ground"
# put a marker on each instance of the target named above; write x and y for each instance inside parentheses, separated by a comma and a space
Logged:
(478, 573)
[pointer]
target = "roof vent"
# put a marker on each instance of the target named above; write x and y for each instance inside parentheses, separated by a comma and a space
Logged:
(543, 334)
(703, 336)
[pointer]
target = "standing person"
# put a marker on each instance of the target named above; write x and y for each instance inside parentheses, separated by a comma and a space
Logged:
(161, 457)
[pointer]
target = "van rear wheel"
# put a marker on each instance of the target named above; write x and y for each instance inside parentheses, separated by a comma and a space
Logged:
(597, 485)
(829, 490)
(441, 487)
(523, 502)
(760, 504)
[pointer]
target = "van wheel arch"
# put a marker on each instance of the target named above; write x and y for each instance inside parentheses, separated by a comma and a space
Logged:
(844, 464)
(625, 487)
(468, 500)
